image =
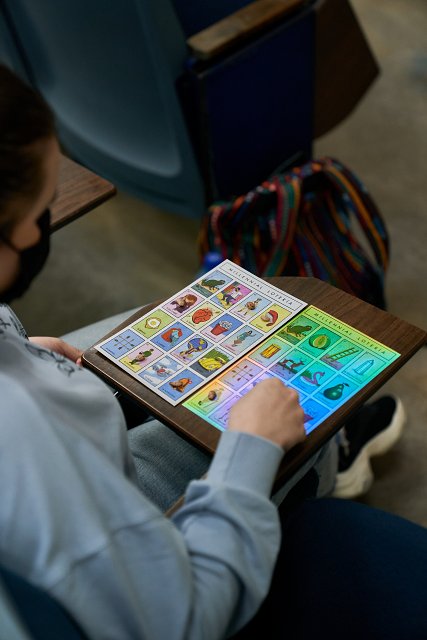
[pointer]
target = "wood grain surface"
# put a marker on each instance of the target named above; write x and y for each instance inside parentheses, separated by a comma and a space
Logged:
(79, 191)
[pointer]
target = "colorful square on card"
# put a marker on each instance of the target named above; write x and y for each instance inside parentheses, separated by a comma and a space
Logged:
(160, 371)
(180, 384)
(231, 295)
(212, 283)
(208, 399)
(251, 306)
(191, 350)
(314, 413)
(172, 336)
(241, 339)
(211, 362)
(141, 357)
(272, 316)
(298, 329)
(201, 316)
(222, 327)
(152, 323)
(121, 343)
(290, 364)
(240, 374)
(185, 301)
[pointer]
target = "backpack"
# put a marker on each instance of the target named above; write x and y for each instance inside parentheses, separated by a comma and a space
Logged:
(314, 220)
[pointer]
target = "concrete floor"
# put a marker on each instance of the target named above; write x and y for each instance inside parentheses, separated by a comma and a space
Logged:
(126, 253)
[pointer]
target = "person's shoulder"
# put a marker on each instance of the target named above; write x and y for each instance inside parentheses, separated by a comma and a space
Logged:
(10, 325)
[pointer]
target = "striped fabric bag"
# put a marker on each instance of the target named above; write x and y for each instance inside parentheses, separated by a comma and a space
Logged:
(315, 220)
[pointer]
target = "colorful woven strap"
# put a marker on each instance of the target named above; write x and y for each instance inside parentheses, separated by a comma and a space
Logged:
(303, 222)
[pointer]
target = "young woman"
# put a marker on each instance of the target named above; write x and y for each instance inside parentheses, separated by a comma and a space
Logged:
(75, 519)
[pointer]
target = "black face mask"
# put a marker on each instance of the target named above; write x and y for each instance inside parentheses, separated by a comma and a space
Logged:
(32, 260)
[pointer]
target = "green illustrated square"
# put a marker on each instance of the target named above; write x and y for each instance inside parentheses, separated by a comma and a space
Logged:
(366, 367)
(341, 353)
(152, 323)
(319, 341)
(298, 329)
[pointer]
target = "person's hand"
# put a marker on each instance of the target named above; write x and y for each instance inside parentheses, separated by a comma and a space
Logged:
(270, 410)
(59, 346)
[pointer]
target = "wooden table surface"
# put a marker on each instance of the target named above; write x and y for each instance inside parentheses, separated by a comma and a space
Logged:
(397, 334)
(79, 191)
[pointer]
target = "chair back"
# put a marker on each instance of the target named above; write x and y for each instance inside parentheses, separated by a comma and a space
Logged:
(109, 71)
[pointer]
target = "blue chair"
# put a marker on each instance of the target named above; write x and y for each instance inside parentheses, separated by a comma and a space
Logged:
(138, 102)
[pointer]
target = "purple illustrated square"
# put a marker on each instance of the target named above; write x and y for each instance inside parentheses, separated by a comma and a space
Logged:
(186, 300)
(231, 295)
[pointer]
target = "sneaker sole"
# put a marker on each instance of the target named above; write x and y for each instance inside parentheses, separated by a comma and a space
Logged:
(358, 479)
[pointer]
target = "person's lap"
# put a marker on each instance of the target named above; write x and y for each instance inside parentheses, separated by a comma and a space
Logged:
(165, 461)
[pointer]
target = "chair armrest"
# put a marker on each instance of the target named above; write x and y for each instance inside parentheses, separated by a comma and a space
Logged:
(238, 26)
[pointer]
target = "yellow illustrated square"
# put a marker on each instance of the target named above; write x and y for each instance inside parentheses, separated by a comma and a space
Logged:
(270, 317)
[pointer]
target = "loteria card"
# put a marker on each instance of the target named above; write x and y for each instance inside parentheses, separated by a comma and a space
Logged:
(184, 344)
(324, 359)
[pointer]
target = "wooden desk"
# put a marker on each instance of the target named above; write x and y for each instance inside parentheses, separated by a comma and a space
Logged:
(384, 327)
(79, 191)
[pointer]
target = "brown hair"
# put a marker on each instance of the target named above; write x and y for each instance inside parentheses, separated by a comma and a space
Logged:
(25, 120)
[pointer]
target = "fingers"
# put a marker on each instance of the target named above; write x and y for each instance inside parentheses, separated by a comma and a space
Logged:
(270, 410)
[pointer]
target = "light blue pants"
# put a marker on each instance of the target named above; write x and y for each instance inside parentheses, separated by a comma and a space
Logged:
(166, 462)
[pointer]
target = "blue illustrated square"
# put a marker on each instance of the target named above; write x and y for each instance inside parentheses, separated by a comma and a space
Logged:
(172, 336)
(122, 343)
(179, 386)
(314, 414)
(160, 371)
(222, 327)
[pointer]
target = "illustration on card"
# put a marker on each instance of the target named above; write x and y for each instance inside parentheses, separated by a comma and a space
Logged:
(160, 371)
(336, 391)
(141, 357)
(290, 364)
(298, 329)
(172, 336)
(365, 367)
(341, 354)
(253, 383)
(240, 374)
(211, 362)
(313, 377)
(251, 306)
(220, 416)
(206, 400)
(242, 339)
(153, 323)
(212, 283)
(231, 295)
(182, 383)
(191, 350)
(221, 328)
(270, 351)
(182, 303)
(199, 318)
(122, 343)
(319, 341)
(272, 316)
(314, 414)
